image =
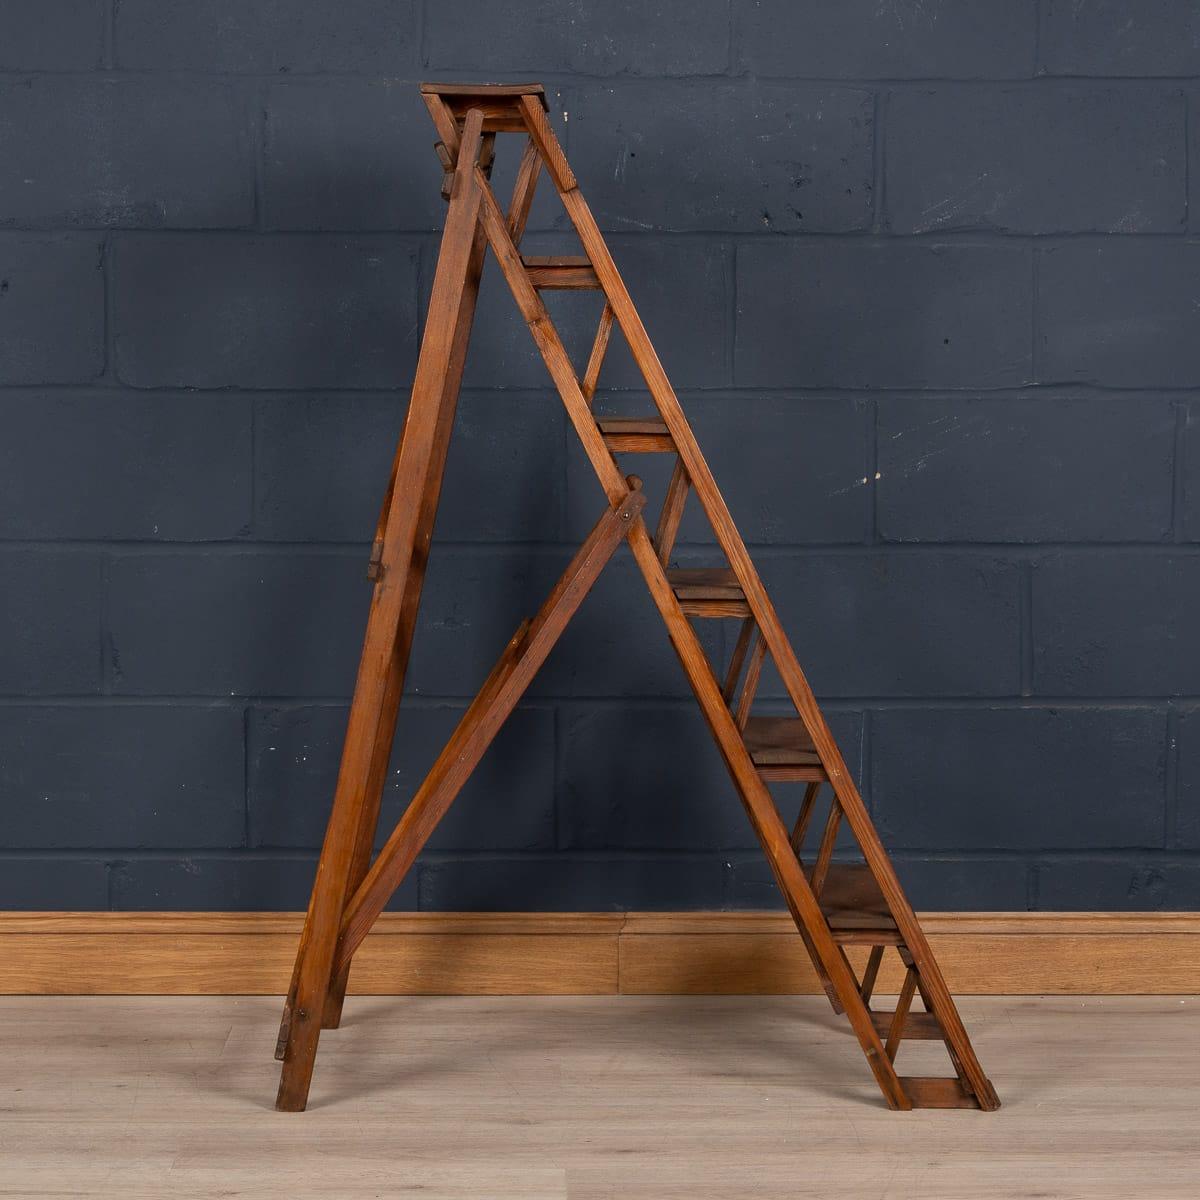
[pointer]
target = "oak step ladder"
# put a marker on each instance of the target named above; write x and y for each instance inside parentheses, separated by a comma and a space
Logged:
(834, 904)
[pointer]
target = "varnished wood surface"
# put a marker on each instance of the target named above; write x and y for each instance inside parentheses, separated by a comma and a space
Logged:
(584, 953)
(315, 996)
(595, 1098)
(704, 583)
(779, 740)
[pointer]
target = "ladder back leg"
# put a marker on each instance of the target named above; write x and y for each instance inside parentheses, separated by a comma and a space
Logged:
(315, 957)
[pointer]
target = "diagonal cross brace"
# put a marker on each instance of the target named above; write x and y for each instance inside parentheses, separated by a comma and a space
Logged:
(483, 719)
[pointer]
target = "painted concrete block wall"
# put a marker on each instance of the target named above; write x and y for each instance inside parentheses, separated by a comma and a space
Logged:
(927, 277)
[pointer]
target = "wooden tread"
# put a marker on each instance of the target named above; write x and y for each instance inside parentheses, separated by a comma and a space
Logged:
(854, 906)
(918, 1026)
(926, 1091)
(487, 90)
(565, 272)
(708, 591)
(783, 751)
(636, 435)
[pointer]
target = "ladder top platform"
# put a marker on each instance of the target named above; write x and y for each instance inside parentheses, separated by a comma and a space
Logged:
(486, 91)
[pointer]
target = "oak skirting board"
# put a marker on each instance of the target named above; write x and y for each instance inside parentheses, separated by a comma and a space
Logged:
(584, 953)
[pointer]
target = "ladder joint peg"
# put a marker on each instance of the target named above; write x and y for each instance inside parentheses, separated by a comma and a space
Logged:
(634, 500)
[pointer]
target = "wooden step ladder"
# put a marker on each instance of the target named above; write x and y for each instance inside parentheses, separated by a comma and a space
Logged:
(834, 905)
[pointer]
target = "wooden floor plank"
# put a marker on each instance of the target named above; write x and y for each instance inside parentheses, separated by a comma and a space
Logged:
(590, 1098)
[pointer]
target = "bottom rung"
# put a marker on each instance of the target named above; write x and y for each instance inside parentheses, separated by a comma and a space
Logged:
(918, 1026)
(934, 1091)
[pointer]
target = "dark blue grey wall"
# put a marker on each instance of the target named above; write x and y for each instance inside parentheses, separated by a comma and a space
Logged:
(926, 277)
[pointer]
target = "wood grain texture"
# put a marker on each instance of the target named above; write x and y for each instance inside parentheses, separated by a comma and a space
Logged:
(586, 953)
(637, 1097)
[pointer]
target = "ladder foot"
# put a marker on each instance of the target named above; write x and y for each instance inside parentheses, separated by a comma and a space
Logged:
(933, 1091)
(295, 1080)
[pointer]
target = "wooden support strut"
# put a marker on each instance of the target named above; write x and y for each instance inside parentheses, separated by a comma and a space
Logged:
(483, 719)
(349, 891)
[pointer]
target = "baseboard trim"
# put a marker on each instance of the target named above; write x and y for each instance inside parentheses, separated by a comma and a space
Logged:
(583, 953)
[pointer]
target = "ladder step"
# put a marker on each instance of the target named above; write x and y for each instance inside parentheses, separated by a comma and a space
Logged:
(566, 272)
(920, 1026)
(708, 592)
(499, 103)
(783, 751)
(854, 906)
(636, 435)
(932, 1091)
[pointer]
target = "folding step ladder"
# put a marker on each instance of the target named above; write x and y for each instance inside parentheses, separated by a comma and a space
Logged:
(834, 905)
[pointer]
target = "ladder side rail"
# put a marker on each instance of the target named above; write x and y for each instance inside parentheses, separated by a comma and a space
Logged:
(764, 817)
(738, 658)
(549, 344)
(672, 512)
(764, 612)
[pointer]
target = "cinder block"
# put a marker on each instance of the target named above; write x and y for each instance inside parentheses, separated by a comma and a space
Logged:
(1144, 883)
(871, 314)
(645, 778)
(224, 883)
(1114, 37)
(862, 39)
(231, 623)
(137, 152)
(1117, 624)
(791, 470)
(507, 804)
(1025, 469)
(1018, 778)
(375, 37)
(1187, 800)
(1105, 160)
(898, 625)
(350, 154)
(49, 622)
(115, 464)
(1189, 470)
(743, 158)
(53, 35)
(621, 37)
(51, 308)
(472, 602)
(122, 776)
(682, 291)
(964, 884)
(46, 884)
(323, 464)
(572, 882)
(266, 312)
(1120, 314)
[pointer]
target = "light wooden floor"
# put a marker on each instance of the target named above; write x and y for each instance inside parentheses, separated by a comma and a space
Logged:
(590, 1097)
